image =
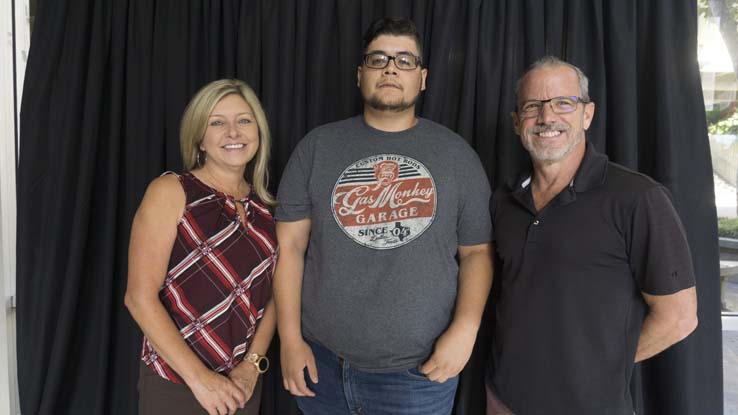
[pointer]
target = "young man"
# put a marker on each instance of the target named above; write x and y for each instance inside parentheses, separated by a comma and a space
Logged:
(596, 271)
(373, 213)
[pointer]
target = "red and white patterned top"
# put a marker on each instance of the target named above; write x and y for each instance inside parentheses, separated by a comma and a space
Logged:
(219, 278)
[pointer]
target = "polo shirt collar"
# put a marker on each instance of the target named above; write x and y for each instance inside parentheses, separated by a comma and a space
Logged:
(591, 173)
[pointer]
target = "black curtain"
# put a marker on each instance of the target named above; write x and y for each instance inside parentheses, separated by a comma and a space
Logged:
(107, 82)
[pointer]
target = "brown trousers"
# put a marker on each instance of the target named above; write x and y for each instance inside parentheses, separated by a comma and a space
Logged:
(157, 396)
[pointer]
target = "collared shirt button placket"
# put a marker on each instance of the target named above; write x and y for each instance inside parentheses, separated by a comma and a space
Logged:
(534, 230)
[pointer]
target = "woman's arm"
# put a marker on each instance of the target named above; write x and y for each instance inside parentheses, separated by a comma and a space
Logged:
(245, 374)
(153, 234)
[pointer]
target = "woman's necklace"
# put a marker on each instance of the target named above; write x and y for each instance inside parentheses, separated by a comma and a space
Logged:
(242, 206)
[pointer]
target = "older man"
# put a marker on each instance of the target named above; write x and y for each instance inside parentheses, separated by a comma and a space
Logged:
(596, 271)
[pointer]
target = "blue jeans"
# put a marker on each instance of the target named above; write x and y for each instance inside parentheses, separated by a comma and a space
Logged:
(344, 390)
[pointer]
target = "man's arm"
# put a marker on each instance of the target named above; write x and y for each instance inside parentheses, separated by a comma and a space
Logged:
(454, 347)
(295, 354)
(669, 320)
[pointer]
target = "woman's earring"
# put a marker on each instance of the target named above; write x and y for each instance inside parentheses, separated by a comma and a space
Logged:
(201, 162)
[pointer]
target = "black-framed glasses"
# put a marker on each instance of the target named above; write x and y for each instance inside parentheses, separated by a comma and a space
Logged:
(403, 61)
(559, 105)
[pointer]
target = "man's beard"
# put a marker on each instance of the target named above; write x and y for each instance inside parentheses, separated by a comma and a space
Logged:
(379, 105)
(548, 155)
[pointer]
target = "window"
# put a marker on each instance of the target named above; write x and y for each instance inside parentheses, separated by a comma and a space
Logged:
(718, 60)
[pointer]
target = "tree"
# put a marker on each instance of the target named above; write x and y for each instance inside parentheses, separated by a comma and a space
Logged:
(727, 12)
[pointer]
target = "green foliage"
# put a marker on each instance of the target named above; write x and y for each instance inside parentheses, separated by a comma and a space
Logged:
(728, 228)
(723, 121)
(703, 8)
(727, 125)
(714, 116)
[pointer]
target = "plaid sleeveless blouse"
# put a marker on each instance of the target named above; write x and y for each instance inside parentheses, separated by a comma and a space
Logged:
(219, 278)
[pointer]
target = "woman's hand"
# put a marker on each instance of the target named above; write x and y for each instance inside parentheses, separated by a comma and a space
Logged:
(217, 394)
(245, 376)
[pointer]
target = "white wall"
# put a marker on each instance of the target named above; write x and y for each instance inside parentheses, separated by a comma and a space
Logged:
(11, 82)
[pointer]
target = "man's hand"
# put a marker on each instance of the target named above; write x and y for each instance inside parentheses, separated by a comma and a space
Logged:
(454, 347)
(295, 357)
(245, 376)
(450, 354)
(217, 394)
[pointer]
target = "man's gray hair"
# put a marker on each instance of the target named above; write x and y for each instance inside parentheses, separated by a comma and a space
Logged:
(550, 62)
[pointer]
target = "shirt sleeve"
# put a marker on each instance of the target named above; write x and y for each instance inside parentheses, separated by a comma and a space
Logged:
(474, 225)
(293, 196)
(493, 202)
(658, 251)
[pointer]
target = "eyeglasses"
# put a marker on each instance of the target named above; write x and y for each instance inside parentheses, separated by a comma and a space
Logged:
(403, 61)
(559, 105)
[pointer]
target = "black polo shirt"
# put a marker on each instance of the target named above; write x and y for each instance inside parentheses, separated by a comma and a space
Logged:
(570, 308)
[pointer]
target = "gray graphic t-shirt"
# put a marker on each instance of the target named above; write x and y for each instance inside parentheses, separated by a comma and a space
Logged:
(388, 212)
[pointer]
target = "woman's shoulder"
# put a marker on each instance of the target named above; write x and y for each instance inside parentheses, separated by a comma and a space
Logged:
(165, 191)
(163, 202)
(168, 183)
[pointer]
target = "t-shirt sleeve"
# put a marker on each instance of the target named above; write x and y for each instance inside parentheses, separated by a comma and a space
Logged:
(474, 224)
(493, 202)
(293, 195)
(658, 250)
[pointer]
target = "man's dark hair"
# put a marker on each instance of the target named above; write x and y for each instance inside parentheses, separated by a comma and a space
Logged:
(393, 26)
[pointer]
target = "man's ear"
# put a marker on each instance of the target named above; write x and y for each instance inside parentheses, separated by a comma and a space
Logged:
(589, 111)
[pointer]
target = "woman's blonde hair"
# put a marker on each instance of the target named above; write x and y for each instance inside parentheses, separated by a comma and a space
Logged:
(195, 122)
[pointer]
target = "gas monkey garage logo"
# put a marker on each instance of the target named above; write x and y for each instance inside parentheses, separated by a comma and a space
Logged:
(384, 201)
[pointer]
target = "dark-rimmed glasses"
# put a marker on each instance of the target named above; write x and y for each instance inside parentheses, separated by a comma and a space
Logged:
(559, 105)
(403, 61)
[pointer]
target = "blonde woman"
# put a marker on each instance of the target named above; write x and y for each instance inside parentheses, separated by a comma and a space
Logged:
(201, 259)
